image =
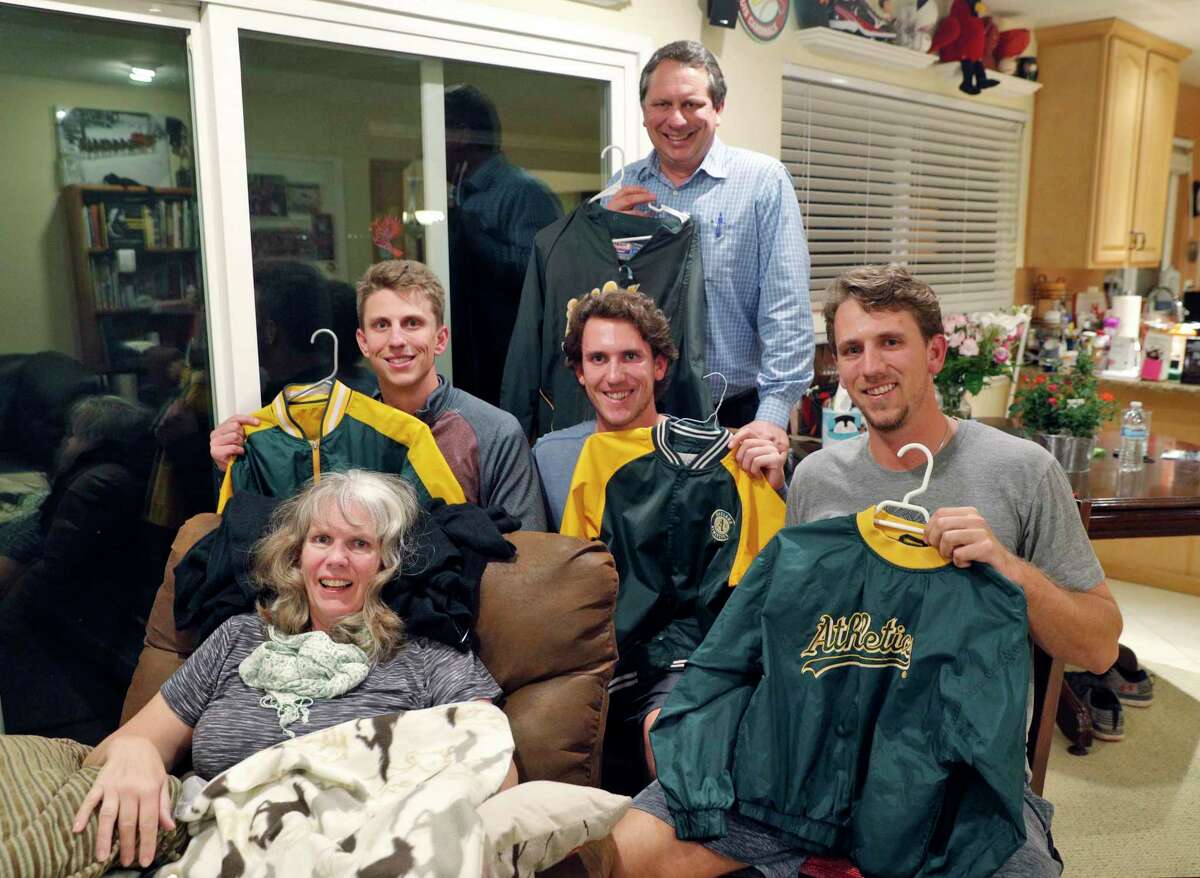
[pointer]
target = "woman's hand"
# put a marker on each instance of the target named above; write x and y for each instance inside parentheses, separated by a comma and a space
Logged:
(132, 794)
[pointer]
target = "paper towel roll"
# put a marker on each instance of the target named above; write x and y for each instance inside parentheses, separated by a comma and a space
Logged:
(1128, 309)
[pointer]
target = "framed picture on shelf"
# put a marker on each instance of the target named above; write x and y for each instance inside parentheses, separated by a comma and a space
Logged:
(303, 197)
(268, 195)
(323, 241)
(288, 242)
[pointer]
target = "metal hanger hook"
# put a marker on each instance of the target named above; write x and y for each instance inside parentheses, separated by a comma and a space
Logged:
(312, 340)
(724, 390)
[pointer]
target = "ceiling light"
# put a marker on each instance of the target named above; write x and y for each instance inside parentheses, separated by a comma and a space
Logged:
(141, 74)
(60, 115)
(837, 80)
(154, 9)
(429, 217)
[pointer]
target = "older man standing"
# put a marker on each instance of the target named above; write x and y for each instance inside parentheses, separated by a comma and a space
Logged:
(759, 334)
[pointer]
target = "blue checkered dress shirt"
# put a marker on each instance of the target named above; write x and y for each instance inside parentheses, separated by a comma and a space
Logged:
(760, 332)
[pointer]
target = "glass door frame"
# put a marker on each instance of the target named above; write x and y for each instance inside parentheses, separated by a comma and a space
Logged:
(486, 35)
(221, 148)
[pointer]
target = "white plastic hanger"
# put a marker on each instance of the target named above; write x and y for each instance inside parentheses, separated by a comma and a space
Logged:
(662, 208)
(325, 383)
(905, 503)
(612, 188)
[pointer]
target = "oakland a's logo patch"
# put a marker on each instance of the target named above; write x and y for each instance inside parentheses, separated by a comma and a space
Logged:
(851, 642)
(720, 525)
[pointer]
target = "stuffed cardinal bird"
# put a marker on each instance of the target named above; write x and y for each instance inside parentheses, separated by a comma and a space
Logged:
(1010, 45)
(961, 37)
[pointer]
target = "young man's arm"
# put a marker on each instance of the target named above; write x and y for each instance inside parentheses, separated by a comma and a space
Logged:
(507, 476)
(228, 438)
(1080, 627)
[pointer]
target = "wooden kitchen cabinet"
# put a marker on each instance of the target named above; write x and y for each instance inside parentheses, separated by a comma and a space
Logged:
(1103, 127)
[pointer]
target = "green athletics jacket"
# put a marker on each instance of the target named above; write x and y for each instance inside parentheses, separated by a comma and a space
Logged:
(297, 440)
(683, 522)
(865, 697)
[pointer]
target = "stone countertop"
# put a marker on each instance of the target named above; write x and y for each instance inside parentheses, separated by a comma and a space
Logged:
(1153, 386)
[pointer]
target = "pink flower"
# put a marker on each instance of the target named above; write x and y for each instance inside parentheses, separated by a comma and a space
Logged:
(955, 339)
(1000, 355)
(1052, 387)
(1053, 400)
(969, 348)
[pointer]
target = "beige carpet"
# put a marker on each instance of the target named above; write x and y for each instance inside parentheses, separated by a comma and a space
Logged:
(1132, 808)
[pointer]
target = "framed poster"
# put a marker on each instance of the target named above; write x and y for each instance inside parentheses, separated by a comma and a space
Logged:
(132, 147)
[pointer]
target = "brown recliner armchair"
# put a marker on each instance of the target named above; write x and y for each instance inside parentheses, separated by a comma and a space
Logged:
(546, 633)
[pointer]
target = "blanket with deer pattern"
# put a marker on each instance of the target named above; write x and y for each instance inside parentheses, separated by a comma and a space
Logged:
(391, 795)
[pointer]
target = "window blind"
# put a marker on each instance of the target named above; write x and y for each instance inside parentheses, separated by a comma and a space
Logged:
(881, 178)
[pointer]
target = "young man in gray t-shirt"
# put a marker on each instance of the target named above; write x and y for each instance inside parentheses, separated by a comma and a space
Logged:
(994, 498)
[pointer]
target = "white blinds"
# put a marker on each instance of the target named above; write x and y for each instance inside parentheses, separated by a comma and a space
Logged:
(881, 178)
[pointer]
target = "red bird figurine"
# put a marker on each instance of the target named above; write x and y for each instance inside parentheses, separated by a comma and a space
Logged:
(960, 37)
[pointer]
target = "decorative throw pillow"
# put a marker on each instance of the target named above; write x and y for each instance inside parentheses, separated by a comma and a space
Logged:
(534, 825)
(43, 788)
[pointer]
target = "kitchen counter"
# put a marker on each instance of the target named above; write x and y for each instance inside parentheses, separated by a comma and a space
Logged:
(1153, 386)
(1174, 408)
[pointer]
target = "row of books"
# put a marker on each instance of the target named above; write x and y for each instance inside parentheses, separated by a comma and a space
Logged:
(161, 284)
(152, 224)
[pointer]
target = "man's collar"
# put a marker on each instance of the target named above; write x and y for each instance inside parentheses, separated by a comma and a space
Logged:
(484, 174)
(715, 164)
(434, 403)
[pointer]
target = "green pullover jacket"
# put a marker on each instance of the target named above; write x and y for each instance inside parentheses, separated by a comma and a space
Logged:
(862, 695)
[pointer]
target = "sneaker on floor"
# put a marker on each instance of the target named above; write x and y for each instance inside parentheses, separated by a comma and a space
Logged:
(1108, 718)
(1135, 689)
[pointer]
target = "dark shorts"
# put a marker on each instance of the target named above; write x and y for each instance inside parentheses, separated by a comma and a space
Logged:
(775, 854)
(631, 700)
(633, 697)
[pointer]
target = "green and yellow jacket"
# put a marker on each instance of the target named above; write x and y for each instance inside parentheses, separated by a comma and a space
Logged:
(683, 522)
(862, 695)
(299, 439)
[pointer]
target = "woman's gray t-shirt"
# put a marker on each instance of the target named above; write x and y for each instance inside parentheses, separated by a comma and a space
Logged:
(208, 694)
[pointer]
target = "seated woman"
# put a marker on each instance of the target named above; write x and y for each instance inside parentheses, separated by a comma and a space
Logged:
(74, 596)
(322, 565)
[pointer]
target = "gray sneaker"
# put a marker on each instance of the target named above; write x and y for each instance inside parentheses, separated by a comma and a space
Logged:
(1135, 690)
(1108, 718)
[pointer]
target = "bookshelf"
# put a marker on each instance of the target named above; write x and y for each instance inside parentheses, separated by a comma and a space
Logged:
(135, 253)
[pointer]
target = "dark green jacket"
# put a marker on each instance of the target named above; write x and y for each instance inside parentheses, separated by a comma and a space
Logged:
(571, 258)
(683, 522)
(863, 696)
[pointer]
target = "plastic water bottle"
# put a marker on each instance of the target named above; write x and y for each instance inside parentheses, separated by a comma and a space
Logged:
(1135, 433)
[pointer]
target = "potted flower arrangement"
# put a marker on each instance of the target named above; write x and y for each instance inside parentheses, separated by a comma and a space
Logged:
(1063, 413)
(978, 347)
